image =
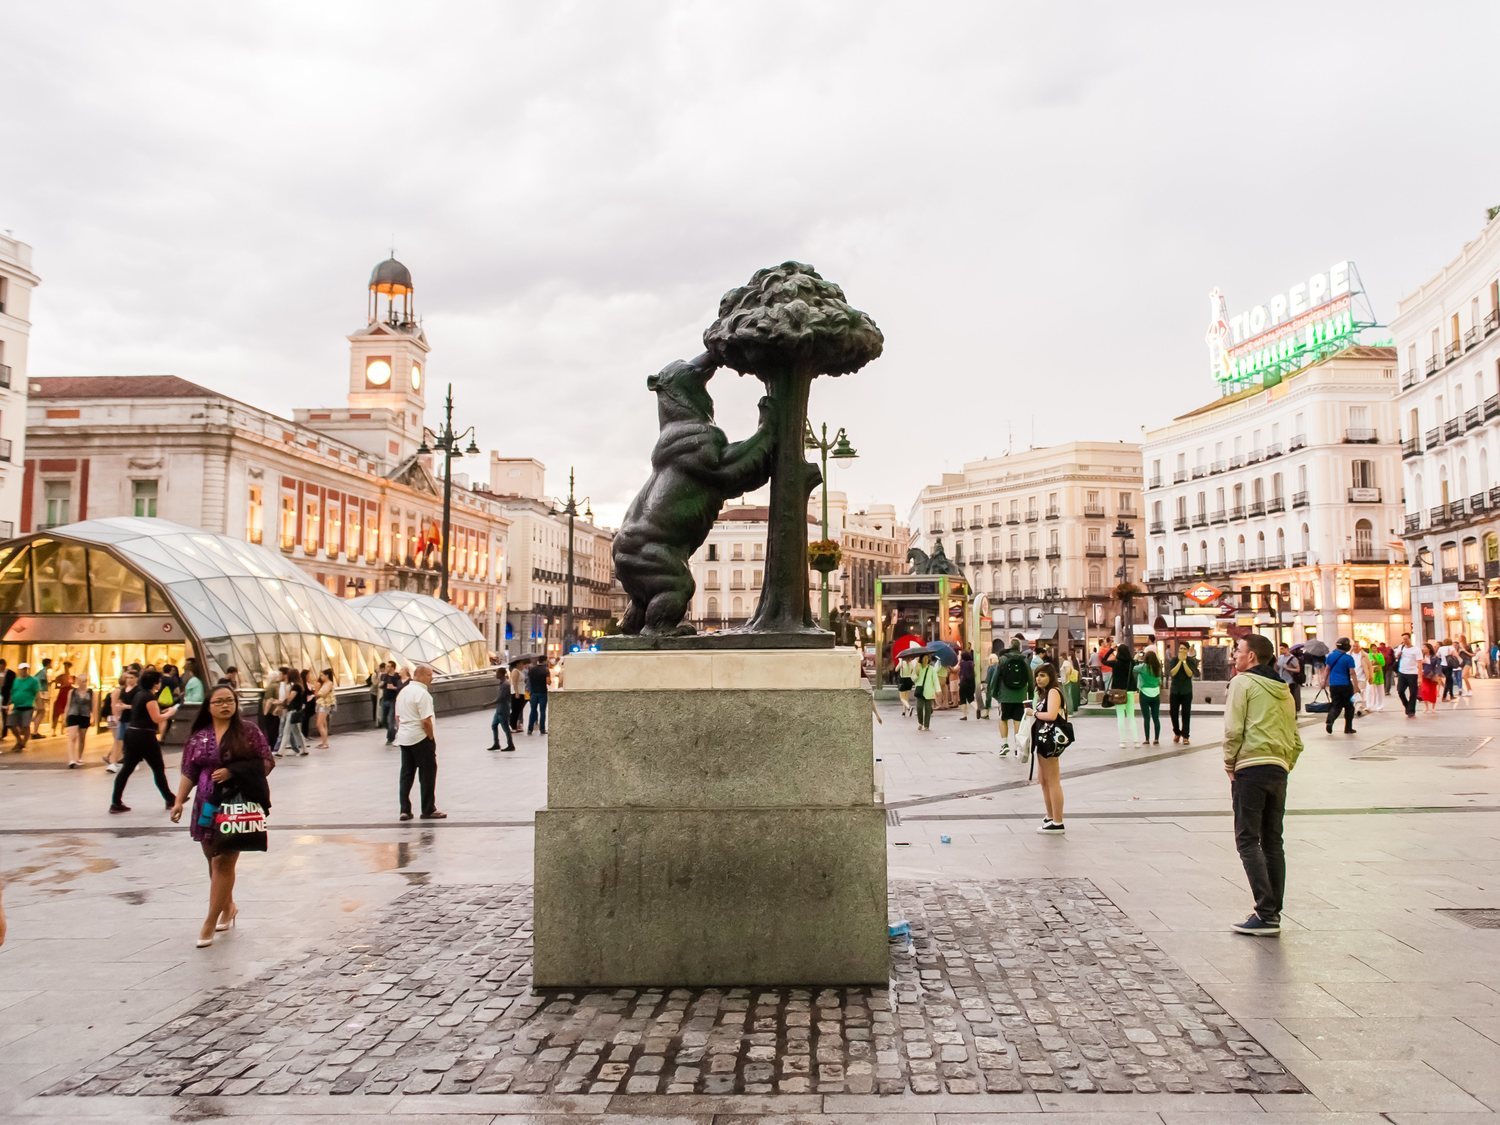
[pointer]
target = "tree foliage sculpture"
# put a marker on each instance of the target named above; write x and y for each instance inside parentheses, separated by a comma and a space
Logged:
(786, 327)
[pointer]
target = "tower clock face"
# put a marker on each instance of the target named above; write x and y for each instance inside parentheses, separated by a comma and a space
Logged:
(416, 376)
(378, 372)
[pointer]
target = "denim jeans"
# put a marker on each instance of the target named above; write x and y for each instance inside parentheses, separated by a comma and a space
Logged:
(538, 716)
(1259, 794)
(501, 721)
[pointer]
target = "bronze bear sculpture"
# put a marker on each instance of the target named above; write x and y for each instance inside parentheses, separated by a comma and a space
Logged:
(694, 469)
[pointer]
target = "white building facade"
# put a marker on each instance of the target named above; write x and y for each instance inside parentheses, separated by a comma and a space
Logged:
(341, 492)
(16, 283)
(1447, 336)
(537, 561)
(1037, 531)
(1286, 498)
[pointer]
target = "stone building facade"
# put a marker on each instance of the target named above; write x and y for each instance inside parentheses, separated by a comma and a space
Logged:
(16, 283)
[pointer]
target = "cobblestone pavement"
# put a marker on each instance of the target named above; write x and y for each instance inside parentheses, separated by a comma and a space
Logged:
(1038, 985)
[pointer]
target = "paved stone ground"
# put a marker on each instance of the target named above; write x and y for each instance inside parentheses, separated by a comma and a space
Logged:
(1011, 986)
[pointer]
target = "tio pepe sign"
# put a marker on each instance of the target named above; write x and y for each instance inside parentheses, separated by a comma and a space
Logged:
(1288, 331)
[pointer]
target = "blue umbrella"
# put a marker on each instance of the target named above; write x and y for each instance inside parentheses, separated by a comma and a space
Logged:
(945, 653)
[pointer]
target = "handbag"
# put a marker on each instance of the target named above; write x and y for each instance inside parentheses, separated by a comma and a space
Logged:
(1316, 708)
(239, 824)
(1116, 697)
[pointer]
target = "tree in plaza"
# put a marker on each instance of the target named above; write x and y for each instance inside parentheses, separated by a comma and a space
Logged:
(786, 327)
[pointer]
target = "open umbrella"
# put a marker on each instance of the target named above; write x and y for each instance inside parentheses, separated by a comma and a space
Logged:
(525, 659)
(1315, 648)
(945, 653)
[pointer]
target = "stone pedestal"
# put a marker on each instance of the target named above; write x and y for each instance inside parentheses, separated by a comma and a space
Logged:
(711, 819)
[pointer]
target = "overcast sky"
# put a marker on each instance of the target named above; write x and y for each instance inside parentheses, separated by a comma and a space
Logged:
(1032, 200)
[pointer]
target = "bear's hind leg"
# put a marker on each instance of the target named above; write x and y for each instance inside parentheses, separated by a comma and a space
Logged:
(633, 618)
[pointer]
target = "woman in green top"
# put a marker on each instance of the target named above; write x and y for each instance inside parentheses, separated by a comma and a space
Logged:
(1375, 691)
(192, 683)
(925, 684)
(1148, 683)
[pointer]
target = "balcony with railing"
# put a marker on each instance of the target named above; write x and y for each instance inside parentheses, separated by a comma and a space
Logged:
(994, 521)
(1300, 500)
(1273, 450)
(1492, 407)
(1434, 437)
(1033, 554)
(1450, 574)
(1410, 447)
(1431, 366)
(1033, 515)
(1200, 471)
(1471, 572)
(1299, 558)
(1156, 576)
(1438, 516)
(1451, 352)
(1360, 435)
(1237, 461)
(1095, 551)
(1013, 555)
(1413, 523)
(1492, 321)
(1363, 495)
(1054, 513)
(1180, 523)
(958, 523)
(1452, 428)
(1237, 511)
(1093, 511)
(1179, 476)
(1409, 379)
(1473, 417)
(1256, 508)
(1275, 562)
(1478, 503)
(1218, 466)
(5, 375)
(1367, 554)
(1014, 519)
(1158, 527)
(1276, 504)
(1299, 441)
(1219, 516)
(1154, 482)
(5, 449)
(1200, 519)
(1256, 456)
(1471, 337)
(935, 529)
(1054, 551)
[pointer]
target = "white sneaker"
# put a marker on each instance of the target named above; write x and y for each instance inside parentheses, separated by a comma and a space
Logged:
(112, 768)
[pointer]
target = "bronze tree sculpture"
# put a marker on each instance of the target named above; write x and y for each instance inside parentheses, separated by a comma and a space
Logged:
(787, 326)
(694, 469)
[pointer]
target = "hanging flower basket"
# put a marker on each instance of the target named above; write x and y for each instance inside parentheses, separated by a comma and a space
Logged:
(1127, 590)
(823, 555)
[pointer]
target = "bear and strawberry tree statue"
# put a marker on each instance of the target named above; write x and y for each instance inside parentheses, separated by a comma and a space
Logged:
(786, 326)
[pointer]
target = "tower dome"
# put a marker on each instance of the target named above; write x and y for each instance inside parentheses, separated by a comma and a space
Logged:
(392, 279)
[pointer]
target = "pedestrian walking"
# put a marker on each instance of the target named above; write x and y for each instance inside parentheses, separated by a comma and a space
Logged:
(391, 684)
(116, 707)
(78, 715)
(223, 754)
(1047, 745)
(517, 696)
(1012, 684)
(905, 674)
(1148, 684)
(538, 679)
(1447, 662)
(24, 694)
(501, 719)
(1408, 663)
(1339, 670)
(62, 689)
(372, 681)
(1067, 672)
(1375, 691)
(1432, 678)
(143, 740)
(1122, 694)
(294, 701)
(325, 701)
(986, 698)
(1261, 745)
(925, 686)
(7, 678)
(1465, 665)
(417, 737)
(41, 706)
(1289, 668)
(966, 682)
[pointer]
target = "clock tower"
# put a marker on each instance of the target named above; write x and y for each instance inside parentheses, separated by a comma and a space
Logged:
(387, 373)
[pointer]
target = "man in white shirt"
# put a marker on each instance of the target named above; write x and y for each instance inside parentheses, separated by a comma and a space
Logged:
(1408, 668)
(417, 739)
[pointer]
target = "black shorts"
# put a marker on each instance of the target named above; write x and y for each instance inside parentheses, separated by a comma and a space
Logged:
(1012, 712)
(903, 684)
(78, 721)
(966, 691)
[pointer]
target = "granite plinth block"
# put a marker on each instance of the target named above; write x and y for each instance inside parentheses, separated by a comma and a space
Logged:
(712, 820)
(700, 642)
(710, 897)
(721, 749)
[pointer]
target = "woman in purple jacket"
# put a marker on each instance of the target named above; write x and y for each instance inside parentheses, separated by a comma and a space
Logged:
(221, 746)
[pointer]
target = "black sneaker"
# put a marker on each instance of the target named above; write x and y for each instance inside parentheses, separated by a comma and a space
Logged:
(1052, 826)
(1255, 927)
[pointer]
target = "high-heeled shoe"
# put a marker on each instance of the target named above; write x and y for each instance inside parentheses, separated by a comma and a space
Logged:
(229, 925)
(204, 942)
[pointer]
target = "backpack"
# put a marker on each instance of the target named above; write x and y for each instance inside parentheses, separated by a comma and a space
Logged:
(1454, 661)
(1299, 677)
(1014, 673)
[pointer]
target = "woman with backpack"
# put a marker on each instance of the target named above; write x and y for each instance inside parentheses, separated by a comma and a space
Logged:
(1148, 683)
(1049, 737)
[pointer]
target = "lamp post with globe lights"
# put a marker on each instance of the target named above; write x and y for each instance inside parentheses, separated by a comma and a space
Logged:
(840, 450)
(448, 443)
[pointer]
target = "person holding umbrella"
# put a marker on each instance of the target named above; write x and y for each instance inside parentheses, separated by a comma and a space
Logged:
(925, 684)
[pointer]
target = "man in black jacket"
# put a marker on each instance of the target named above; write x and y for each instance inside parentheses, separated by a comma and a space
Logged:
(538, 679)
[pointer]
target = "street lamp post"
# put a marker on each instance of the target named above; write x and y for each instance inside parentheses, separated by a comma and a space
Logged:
(1124, 533)
(841, 450)
(570, 509)
(446, 442)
